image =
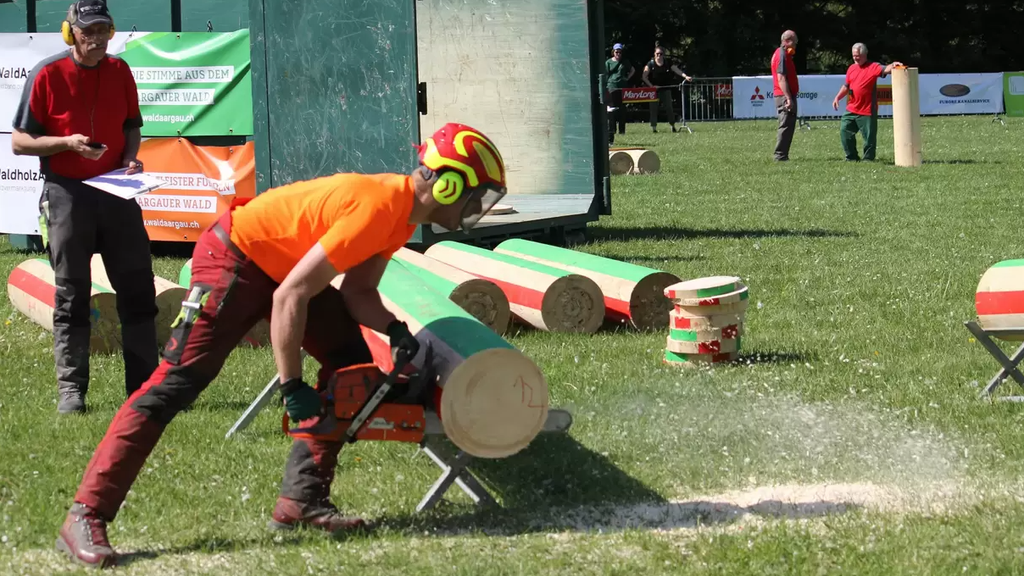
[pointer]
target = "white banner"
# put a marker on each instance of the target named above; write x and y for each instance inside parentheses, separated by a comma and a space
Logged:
(21, 184)
(961, 93)
(21, 54)
(939, 94)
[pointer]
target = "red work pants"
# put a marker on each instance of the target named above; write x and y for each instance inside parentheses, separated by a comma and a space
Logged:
(240, 294)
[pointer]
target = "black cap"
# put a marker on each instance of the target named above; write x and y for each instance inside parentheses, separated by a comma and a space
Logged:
(92, 12)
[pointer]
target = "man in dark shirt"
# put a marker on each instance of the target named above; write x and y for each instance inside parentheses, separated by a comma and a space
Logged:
(619, 71)
(786, 87)
(661, 73)
(79, 113)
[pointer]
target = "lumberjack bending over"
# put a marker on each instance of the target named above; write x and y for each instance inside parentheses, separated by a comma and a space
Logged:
(275, 257)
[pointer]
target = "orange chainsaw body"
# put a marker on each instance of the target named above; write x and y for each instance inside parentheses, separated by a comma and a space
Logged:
(346, 392)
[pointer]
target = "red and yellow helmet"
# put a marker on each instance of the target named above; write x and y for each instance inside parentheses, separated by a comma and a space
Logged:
(469, 168)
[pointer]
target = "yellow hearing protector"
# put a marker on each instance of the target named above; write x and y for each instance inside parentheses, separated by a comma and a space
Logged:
(65, 26)
(449, 187)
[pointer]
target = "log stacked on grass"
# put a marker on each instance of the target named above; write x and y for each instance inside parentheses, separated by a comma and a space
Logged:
(645, 161)
(31, 289)
(707, 320)
(168, 297)
(481, 298)
(620, 162)
(999, 298)
(906, 117)
(494, 399)
(544, 297)
(632, 293)
(257, 337)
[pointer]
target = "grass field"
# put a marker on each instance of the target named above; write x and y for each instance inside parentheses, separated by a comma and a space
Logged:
(849, 439)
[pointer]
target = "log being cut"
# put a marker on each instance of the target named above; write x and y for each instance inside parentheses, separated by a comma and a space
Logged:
(633, 294)
(542, 296)
(481, 298)
(31, 288)
(494, 399)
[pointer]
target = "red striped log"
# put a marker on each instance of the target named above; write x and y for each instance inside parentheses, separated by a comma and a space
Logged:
(31, 289)
(542, 296)
(999, 298)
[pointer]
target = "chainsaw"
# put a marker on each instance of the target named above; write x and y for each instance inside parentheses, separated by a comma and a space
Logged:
(360, 402)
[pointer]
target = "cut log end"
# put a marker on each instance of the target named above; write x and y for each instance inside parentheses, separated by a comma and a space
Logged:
(648, 307)
(495, 403)
(573, 303)
(484, 301)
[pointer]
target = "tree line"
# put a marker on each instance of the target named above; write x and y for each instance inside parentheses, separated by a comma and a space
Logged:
(737, 37)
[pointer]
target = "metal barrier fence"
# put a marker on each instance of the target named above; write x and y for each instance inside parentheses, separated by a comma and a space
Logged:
(702, 100)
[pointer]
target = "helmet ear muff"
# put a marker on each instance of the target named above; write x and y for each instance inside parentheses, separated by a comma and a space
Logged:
(449, 187)
(65, 26)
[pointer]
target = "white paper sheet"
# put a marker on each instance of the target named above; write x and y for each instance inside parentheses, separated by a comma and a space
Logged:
(125, 186)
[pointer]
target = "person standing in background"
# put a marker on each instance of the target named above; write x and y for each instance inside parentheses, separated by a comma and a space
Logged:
(79, 112)
(786, 88)
(660, 73)
(862, 104)
(619, 70)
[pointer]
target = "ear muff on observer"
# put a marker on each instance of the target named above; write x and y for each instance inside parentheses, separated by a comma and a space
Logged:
(65, 27)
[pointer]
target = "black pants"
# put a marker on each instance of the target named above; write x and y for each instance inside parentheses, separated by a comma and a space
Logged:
(81, 221)
(617, 117)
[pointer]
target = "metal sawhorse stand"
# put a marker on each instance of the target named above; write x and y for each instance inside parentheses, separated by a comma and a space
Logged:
(1009, 364)
(453, 466)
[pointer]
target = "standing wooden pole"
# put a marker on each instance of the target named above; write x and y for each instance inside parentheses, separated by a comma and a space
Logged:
(168, 297)
(481, 298)
(632, 293)
(494, 399)
(906, 117)
(32, 290)
(544, 297)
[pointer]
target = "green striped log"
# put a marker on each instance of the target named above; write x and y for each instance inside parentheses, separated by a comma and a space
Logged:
(633, 294)
(257, 337)
(495, 398)
(545, 297)
(481, 298)
(32, 290)
(999, 299)
(676, 359)
(702, 347)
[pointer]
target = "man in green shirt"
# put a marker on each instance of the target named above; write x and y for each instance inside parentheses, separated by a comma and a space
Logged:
(619, 70)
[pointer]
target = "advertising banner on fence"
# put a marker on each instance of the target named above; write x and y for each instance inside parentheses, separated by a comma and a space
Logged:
(200, 182)
(1013, 93)
(21, 184)
(752, 96)
(638, 95)
(189, 83)
(961, 93)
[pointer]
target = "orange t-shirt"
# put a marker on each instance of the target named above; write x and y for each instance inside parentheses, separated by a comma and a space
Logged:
(353, 216)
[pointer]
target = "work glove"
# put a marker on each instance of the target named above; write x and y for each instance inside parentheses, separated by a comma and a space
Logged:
(402, 339)
(301, 401)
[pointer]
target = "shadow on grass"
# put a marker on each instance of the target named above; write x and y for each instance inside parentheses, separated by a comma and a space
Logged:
(961, 161)
(666, 233)
(768, 357)
(560, 485)
(209, 545)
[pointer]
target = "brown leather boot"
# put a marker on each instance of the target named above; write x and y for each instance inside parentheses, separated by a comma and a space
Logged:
(83, 537)
(290, 514)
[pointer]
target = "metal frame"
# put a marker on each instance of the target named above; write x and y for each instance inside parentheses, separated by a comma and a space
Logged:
(1008, 364)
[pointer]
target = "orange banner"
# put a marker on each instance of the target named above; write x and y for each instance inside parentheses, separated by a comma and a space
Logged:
(201, 182)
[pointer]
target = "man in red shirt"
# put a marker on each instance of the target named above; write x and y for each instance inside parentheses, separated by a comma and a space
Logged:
(79, 112)
(276, 256)
(787, 86)
(862, 104)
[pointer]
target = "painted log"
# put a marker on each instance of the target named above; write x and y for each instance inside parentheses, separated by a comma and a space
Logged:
(620, 162)
(494, 399)
(999, 298)
(678, 321)
(542, 296)
(632, 294)
(257, 336)
(702, 347)
(168, 297)
(481, 298)
(694, 360)
(31, 289)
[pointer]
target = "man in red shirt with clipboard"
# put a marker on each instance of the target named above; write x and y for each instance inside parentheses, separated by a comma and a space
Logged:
(862, 103)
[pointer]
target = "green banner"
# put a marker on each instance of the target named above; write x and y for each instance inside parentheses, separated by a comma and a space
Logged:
(192, 83)
(1013, 93)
